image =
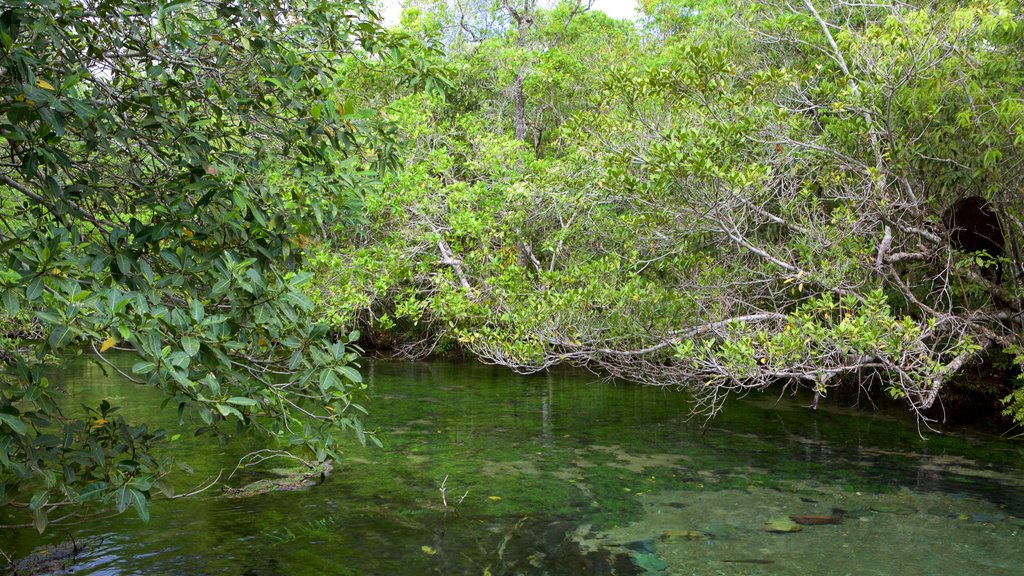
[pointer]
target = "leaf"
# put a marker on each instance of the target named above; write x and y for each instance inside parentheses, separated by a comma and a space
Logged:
(60, 336)
(165, 488)
(11, 302)
(351, 373)
(226, 411)
(328, 380)
(108, 344)
(428, 550)
(242, 401)
(197, 310)
(143, 367)
(14, 422)
(92, 491)
(39, 500)
(190, 344)
(782, 525)
(45, 86)
(140, 503)
(221, 286)
(124, 499)
(49, 316)
(39, 519)
(205, 414)
(34, 289)
(124, 263)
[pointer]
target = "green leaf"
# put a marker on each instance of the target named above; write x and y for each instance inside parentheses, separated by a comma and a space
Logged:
(197, 311)
(221, 286)
(11, 302)
(242, 401)
(14, 422)
(60, 337)
(39, 499)
(49, 316)
(351, 373)
(39, 519)
(124, 263)
(226, 411)
(328, 380)
(190, 344)
(205, 414)
(124, 498)
(143, 367)
(92, 491)
(34, 289)
(140, 503)
(164, 488)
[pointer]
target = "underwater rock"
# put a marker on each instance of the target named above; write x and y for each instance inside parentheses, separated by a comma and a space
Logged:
(287, 479)
(650, 563)
(50, 559)
(782, 525)
(645, 546)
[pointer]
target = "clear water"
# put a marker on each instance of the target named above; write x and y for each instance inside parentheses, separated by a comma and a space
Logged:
(559, 474)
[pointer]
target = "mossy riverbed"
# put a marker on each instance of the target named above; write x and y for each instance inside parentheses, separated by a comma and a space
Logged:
(484, 472)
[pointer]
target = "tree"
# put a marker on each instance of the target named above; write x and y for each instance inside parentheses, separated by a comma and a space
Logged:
(782, 177)
(530, 38)
(755, 201)
(163, 167)
(459, 221)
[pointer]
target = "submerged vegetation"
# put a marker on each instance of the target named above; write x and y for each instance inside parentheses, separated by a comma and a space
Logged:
(718, 196)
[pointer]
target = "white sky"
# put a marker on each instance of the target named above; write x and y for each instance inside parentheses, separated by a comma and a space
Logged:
(621, 9)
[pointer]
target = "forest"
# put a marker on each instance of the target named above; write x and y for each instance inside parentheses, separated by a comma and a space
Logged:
(716, 197)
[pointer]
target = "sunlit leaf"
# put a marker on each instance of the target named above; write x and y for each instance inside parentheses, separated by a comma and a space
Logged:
(109, 343)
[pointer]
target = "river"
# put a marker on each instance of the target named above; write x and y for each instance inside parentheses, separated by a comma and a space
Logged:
(484, 472)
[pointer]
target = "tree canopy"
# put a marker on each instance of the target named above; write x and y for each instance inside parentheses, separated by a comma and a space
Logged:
(164, 165)
(733, 197)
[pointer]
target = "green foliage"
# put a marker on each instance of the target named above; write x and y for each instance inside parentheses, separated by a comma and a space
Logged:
(1015, 400)
(730, 197)
(165, 166)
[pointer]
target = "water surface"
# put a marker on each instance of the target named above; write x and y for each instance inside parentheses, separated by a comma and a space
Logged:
(485, 472)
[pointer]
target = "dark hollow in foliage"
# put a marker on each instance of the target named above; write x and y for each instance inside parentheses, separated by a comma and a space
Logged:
(974, 227)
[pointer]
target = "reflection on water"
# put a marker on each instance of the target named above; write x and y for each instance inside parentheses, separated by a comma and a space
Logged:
(484, 472)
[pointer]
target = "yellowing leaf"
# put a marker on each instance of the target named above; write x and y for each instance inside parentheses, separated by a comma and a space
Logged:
(44, 84)
(494, 498)
(108, 344)
(99, 423)
(428, 550)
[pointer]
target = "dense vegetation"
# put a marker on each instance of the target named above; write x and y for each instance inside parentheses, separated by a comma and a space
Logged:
(730, 197)
(722, 197)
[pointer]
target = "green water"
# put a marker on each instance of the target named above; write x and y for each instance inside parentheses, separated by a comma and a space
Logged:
(559, 474)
